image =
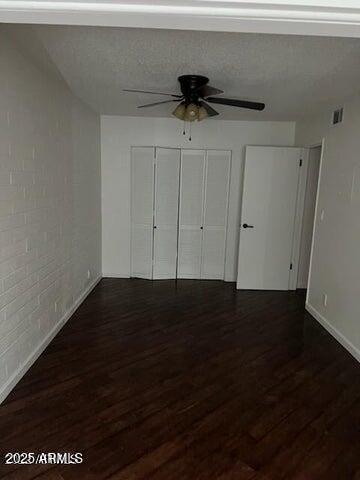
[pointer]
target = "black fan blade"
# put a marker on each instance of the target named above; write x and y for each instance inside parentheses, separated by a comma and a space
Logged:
(152, 93)
(207, 90)
(236, 103)
(156, 103)
(211, 112)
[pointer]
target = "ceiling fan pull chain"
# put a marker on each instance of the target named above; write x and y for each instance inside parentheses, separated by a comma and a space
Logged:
(190, 132)
(184, 132)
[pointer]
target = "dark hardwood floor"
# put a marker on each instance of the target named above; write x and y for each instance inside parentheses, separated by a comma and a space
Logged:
(188, 380)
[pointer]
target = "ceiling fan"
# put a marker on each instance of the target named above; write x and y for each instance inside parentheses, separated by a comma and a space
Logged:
(196, 94)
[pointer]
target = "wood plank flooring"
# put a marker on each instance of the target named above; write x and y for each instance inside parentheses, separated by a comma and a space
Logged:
(188, 380)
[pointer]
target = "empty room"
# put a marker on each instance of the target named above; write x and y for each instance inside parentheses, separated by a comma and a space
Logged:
(179, 240)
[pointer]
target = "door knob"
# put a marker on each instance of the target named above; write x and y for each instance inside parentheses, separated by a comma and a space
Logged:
(245, 225)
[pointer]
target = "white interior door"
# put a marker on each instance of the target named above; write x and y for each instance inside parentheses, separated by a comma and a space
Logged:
(217, 173)
(142, 207)
(167, 165)
(270, 188)
(191, 213)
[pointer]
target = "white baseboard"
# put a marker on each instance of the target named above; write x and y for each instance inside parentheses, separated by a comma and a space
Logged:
(16, 377)
(350, 347)
(115, 275)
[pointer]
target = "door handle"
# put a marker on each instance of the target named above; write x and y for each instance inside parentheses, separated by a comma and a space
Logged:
(245, 225)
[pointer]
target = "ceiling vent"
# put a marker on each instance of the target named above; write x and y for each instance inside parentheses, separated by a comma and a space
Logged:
(337, 116)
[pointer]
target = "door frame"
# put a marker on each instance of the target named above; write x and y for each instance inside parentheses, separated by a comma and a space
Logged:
(299, 215)
(298, 219)
(322, 145)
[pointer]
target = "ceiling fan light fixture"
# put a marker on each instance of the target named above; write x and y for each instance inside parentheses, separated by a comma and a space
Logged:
(191, 113)
(179, 111)
(202, 114)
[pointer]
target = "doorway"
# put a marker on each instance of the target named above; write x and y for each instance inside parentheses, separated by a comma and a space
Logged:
(307, 230)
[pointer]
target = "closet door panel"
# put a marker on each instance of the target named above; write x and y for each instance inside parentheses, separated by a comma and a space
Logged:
(213, 253)
(141, 249)
(166, 212)
(178, 233)
(192, 180)
(142, 205)
(165, 253)
(167, 186)
(142, 185)
(191, 213)
(190, 241)
(217, 182)
(215, 214)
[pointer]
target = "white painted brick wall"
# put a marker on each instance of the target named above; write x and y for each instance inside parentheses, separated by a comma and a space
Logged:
(50, 205)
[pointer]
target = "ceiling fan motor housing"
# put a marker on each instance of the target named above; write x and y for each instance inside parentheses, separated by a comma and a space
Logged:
(190, 85)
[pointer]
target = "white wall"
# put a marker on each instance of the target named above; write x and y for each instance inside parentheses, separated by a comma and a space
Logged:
(335, 267)
(118, 134)
(50, 223)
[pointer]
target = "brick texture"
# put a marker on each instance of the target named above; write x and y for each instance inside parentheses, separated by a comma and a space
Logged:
(50, 204)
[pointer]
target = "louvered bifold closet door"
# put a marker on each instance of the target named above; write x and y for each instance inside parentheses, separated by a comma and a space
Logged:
(217, 174)
(167, 166)
(142, 207)
(191, 213)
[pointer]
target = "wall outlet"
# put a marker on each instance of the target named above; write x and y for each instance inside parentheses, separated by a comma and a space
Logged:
(325, 299)
(88, 274)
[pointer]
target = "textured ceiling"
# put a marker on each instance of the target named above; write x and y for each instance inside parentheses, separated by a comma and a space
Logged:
(295, 76)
